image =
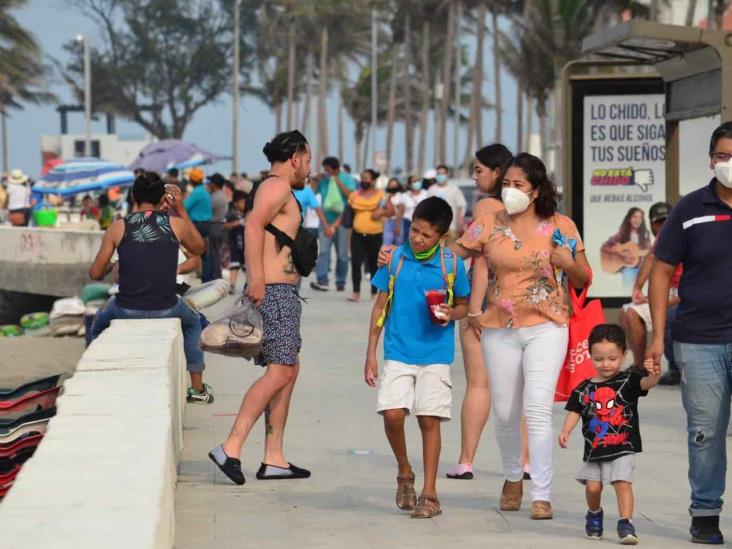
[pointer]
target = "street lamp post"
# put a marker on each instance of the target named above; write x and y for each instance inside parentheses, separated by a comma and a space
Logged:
(87, 94)
(374, 81)
(235, 92)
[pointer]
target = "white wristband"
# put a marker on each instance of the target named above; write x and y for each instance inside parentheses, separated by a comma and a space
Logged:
(474, 315)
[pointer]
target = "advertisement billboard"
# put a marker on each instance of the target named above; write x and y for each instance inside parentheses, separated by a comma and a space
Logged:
(624, 153)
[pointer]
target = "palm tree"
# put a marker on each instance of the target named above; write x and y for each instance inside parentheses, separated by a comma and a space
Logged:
(22, 72)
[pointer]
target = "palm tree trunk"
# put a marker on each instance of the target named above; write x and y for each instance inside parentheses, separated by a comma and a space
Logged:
(497, 76)
(529, 122)
(322, 93)
(476, 95)
(519, 116)
(278, 117)
(367, 139)
(359, 165)
(449, 53)
(423, 116)
(690, 10)
(541, 113)
(291, 81)
(407, 92)
(340, 130)
(308, 95)
(391, 105)
(4, 114)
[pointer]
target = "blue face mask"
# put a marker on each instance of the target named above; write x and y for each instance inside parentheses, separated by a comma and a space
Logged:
(441, 178)
(417, 186)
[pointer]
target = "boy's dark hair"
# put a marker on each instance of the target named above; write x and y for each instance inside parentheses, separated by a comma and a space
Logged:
(284, 146)
(217, 180)
(435, 211)
(86, 197)
(148, 188)
(173, 172)
(332, 162)
(238, 195)
(533, 167)
(612, 333)
(722, 132)
(104, 200)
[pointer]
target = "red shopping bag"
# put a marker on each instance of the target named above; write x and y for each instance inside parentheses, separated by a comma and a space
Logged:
(578, 365)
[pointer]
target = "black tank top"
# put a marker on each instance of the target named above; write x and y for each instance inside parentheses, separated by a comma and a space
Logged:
(148, 262)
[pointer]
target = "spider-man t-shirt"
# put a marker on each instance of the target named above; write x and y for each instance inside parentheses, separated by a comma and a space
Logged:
(609, 411)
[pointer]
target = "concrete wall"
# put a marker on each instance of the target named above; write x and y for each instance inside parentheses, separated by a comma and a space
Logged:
(105, 474)
(46, 261)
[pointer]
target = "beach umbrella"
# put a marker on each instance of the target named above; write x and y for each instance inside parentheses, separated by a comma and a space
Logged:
(83, 175)
(173, 153)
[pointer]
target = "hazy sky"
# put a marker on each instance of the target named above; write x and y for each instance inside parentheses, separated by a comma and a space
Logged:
(54, 23)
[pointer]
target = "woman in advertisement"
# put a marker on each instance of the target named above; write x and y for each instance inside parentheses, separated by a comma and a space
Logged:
(624, 251)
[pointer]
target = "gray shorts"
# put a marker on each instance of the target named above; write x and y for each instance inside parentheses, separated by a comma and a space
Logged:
(280, 310)
(607, 472)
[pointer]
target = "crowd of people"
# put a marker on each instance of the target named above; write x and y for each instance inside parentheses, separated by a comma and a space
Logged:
(510, 308)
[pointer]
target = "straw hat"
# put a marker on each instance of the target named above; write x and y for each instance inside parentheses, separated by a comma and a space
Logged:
(17, 177)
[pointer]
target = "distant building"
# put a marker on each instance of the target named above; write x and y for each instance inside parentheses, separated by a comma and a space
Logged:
(107, 146)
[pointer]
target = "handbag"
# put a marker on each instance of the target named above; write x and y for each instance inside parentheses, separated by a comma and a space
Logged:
(578, 364)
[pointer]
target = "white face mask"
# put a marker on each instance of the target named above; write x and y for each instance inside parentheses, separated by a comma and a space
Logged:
(723, 172)
(515, 201)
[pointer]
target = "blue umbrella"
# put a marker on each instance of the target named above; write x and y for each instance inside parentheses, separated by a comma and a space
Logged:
(173, 153)
(83, 175)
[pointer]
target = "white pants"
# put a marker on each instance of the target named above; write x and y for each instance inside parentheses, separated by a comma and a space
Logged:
(523, 367)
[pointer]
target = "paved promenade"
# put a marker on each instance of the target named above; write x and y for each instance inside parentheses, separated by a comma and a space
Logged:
(349, 501)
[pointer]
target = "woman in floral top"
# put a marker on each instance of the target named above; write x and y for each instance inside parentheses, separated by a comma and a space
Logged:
(524, 329)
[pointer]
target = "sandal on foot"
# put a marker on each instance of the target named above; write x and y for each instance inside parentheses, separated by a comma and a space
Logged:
(541, 510)
(511, 496)
(406, 497)
(427, 507)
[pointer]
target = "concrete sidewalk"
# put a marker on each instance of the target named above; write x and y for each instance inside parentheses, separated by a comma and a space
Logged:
(349, 501)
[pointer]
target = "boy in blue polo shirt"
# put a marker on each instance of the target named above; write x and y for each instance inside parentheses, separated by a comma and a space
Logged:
(419, 345)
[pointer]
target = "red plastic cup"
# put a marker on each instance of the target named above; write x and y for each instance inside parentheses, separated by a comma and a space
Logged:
(435, 298)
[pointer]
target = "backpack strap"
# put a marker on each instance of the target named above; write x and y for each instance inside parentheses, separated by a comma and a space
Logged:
(392, 283)
(449, 278)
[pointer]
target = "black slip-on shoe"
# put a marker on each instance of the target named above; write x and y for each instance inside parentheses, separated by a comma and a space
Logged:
(231, 467)
(271, 472)
(706, 530)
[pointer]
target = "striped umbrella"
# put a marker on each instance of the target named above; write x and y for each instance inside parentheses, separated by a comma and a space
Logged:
(83, 175)
(173, 153)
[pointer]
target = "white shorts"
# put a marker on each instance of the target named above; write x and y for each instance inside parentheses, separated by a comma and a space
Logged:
(643, 310)
(421, 390)
(607, 472)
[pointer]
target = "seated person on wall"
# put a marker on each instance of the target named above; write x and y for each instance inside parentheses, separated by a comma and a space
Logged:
(148, 243)
(635, 317)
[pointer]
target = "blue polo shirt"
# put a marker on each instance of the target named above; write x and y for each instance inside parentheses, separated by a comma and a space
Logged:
(411, 337)
(198, 204)
(698, 233)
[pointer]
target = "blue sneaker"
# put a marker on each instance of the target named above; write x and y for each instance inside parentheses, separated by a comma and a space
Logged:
(626, 532)
(593, 524)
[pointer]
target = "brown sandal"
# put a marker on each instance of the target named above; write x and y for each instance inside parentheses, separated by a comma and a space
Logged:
(406, 497)
(427, 507)
(511, 496)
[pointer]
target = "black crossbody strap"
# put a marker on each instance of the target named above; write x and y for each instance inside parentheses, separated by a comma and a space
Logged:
(282, 238)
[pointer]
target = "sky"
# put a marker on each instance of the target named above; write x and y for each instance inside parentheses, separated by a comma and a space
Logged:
(54, 23)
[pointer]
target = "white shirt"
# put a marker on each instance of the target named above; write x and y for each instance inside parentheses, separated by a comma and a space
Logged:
(409, 201)
(18, 197)
(312, 221)
(451, 194)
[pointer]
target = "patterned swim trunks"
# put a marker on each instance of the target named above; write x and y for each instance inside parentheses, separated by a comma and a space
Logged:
(280, 310)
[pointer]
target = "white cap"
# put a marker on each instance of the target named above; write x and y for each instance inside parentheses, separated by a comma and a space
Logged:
(430, 174)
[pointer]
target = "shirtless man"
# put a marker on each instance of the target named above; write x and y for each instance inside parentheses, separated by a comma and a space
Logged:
(272, 285)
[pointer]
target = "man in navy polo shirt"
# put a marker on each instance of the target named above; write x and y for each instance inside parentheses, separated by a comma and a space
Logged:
(698, 233)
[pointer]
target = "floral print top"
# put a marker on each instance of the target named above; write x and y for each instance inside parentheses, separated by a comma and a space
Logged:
(522, 285)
